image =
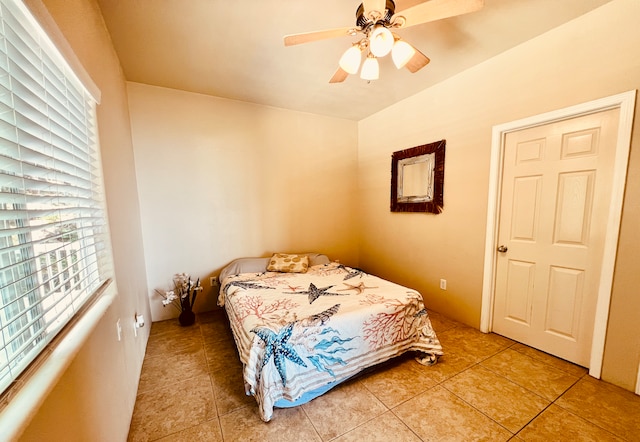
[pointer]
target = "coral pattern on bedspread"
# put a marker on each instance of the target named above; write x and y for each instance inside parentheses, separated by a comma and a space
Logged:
(297, 332)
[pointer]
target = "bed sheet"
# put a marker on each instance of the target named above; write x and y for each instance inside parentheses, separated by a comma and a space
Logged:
(298, 333)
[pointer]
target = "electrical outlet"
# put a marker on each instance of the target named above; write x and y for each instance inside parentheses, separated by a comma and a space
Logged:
(443, 284)
(138, 322)
(213, 281)
(119, 329)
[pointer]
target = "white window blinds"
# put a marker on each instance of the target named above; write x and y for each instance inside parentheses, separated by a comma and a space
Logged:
(54, 245)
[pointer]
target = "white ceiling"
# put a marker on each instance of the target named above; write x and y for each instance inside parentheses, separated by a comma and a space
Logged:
(234, 48)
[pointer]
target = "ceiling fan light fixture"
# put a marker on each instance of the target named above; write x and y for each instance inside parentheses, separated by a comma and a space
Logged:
(380, 41)
(375, 19)
(401, 53)
(350, 60)
(370, 69)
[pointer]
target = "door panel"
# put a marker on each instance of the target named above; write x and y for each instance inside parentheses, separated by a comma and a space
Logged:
(520, 287)
(573, 213)
(556, 186)
(565, 301)
(526, 207)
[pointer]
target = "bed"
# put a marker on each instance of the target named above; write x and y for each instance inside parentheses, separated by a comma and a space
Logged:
(303, 324)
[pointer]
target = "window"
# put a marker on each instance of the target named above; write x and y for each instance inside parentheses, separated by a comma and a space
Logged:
(54, 245)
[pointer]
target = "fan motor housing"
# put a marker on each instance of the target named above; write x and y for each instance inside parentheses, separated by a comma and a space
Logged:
(363, 21)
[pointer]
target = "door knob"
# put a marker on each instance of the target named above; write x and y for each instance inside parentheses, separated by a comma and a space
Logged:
(502, 249)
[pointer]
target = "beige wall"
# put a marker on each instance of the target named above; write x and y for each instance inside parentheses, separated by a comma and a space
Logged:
(95, 397)
(246, 177)
(591, 57)
(220, 179)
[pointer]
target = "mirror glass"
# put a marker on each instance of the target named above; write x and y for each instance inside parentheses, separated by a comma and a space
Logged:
(415, 178)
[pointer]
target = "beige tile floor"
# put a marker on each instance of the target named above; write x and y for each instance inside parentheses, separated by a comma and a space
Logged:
(486, 387)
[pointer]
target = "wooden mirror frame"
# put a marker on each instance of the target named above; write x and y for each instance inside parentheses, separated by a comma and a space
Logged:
(419, 204)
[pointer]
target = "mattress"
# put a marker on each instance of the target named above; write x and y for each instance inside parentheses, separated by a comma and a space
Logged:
(300, 334)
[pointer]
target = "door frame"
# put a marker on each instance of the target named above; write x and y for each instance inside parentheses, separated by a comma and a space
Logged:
(626, 103)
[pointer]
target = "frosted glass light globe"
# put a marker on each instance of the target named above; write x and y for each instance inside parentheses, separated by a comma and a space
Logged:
(380, 41)
(350, 60)
(401, 53)
(370, 69)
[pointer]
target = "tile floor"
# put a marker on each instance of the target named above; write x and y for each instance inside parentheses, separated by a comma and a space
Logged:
(486, 387)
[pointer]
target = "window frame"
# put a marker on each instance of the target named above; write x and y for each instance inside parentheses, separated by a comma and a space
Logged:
(29, 387)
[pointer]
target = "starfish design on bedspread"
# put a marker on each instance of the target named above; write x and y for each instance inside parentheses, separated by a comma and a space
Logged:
(277, 344)
(245, 285)
(359, 288)
(323, 344)
(351, 272)
(320, 318)
(315, 292)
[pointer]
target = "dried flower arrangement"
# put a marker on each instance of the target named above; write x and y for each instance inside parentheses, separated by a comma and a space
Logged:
(182, 297)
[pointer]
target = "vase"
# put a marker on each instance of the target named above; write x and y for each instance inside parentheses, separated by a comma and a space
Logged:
(187, 317)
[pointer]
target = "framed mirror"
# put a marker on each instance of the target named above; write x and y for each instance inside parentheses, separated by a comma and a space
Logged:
(417, 178)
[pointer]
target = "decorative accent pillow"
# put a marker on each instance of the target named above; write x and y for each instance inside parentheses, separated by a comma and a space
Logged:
(281, 262)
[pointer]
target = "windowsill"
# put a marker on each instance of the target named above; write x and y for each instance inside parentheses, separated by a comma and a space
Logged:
(21, 407)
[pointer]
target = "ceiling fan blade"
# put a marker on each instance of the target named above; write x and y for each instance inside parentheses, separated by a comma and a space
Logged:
(339, 76)
(374, 5)
(417, 62)
(436, 10)
(308, 37)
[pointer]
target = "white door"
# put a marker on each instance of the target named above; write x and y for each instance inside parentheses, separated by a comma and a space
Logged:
(556, 190)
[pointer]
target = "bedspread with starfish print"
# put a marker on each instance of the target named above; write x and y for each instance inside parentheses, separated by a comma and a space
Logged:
(301, 332)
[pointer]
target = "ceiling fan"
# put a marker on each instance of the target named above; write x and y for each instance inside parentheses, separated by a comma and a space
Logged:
(376, 19)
